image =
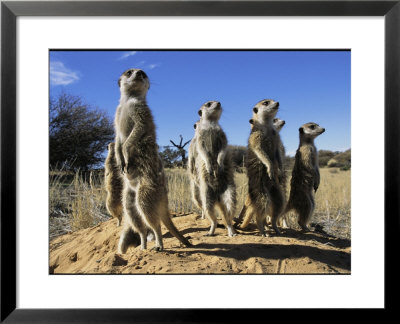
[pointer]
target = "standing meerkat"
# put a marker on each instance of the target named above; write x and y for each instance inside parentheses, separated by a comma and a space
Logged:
(144, 198)
(113, 183)
(278, 124)
(214, 168)
(305, 175)
(193, 174)
(263, 162)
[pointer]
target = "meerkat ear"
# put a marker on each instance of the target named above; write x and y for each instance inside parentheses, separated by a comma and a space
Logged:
(301, 130)
(255, 110)
(119, 82)
(251, 121)
(200, 112)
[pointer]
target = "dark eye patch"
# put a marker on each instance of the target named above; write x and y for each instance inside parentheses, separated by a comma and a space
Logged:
(266, 103)
(255, 109)
(199, 112)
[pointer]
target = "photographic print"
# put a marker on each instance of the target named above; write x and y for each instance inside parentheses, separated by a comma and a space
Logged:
(199, 161)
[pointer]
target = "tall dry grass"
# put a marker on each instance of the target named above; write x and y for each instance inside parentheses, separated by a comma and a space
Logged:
(333, 198)
(78, 201)
(333, 202)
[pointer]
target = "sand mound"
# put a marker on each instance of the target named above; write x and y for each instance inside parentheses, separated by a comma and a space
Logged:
(93, 250)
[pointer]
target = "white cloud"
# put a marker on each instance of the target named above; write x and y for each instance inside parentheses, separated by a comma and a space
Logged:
(60, 75)
(152, 66)
(127, 54)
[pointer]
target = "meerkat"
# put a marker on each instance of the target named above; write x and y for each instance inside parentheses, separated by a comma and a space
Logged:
(263, 162)
(113, 183)
(278, 124)
(214, 167)
(193, 174)
(305, 175)
(144, 197)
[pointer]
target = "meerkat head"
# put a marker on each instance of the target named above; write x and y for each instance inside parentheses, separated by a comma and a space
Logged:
(310, 130)
(265, 110)
(210, 111)
(134, 82)
(278, 123)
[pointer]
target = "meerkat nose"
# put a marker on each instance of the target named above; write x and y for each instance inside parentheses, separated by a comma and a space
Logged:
(140, 73)
(218, 105)
(323, 130)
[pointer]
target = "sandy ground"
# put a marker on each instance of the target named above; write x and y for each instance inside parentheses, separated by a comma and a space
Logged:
(94, 250)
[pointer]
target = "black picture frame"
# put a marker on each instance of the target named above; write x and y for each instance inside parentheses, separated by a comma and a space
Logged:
(10, 10)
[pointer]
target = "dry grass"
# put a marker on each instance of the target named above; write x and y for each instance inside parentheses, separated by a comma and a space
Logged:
(333, 200)
(78, 202)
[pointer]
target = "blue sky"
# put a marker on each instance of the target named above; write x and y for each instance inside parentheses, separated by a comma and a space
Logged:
(310, 86)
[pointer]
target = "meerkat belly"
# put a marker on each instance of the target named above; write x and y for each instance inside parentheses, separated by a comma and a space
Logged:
(257, 172)
(213, 140)
(126, 126)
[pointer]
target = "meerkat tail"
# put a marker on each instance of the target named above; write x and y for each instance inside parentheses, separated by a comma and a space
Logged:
(249, 212)
(239, 219)
(166, 219)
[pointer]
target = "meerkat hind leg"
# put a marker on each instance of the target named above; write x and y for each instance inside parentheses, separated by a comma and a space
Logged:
(210, 214)
(158, 242)
(275, 216)
(305, 213)
(260, 221)
(150, 213)
(227, 219)
(124, 239)
(132, 216)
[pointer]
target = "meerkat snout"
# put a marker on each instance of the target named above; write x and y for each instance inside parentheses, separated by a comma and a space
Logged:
(141, 74)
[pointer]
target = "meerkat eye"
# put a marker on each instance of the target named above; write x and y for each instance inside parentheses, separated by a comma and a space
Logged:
(255, 110)
(312, 126)
(208, 104)
(266, 103)
(199, 112)
(128, 74)
(251, 121)
(275, 120)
